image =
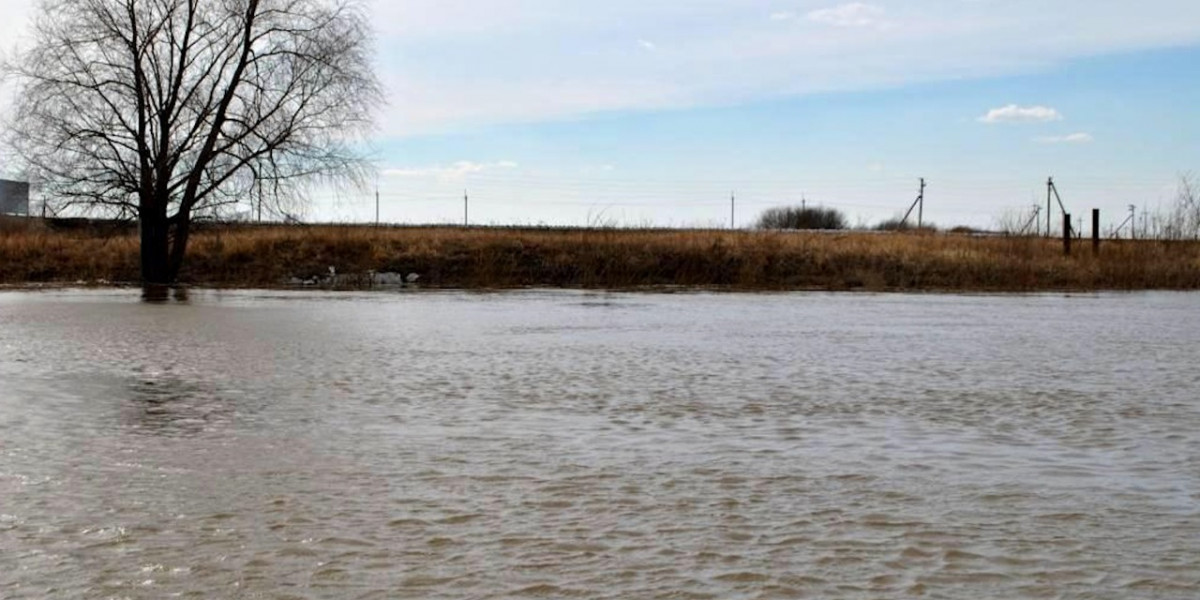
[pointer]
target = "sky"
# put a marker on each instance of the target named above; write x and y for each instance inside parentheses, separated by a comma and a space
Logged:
(628, 112)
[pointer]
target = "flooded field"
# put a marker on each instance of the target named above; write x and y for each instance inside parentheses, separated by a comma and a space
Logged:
(588, 445)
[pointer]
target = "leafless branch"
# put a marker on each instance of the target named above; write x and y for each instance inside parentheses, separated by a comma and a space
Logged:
(178, 107)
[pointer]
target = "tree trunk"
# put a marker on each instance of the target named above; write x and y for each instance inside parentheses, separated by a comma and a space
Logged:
(179, 245)
(154, 248)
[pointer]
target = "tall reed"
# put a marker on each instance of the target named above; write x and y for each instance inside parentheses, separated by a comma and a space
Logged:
(613, 258)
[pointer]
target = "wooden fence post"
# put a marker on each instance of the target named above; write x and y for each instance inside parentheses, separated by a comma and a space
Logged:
(1067, 234)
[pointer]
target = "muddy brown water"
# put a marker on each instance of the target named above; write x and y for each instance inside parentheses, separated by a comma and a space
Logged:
(590, 445)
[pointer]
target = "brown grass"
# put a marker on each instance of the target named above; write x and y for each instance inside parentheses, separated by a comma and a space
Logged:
(610, 258)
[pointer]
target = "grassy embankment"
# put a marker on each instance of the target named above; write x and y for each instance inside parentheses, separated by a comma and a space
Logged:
(607, 258)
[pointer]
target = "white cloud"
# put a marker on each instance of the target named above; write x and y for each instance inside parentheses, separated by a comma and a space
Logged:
(450, 66)
(598, 169)
(457, 171)
(13, 25)
(455, 65)
(422, 103)
(651, 46)
(1021, 114)
(1074, 138)
(13, 36)
(854, 14)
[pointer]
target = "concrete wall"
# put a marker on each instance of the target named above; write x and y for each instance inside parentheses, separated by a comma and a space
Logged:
(14, 197)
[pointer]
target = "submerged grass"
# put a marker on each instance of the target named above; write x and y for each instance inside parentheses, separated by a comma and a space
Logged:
(269, 256)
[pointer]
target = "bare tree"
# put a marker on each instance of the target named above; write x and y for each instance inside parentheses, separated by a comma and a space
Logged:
(170, 109)
(1184, 221)
(1019, 222)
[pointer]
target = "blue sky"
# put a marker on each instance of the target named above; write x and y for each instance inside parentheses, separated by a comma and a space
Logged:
(562, 112)
(1125, 128)
(635, 112)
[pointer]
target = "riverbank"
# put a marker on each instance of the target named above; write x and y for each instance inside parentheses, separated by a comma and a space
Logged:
(275, 256)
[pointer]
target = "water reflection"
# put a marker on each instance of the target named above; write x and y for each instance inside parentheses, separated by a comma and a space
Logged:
(172, 407)
(163, 294)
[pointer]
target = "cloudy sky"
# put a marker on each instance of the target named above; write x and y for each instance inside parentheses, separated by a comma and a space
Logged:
(636, 112)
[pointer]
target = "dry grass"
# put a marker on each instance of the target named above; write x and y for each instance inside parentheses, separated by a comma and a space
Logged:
(501, 258)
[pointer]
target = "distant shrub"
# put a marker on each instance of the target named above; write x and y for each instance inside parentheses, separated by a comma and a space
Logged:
(898, 225)
(794, 217)
(891, 225)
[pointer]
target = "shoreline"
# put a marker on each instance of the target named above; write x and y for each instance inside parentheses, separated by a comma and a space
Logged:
(455, 258)
(63, 286)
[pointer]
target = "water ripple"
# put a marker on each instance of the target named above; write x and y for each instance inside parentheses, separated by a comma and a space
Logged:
(570, 445)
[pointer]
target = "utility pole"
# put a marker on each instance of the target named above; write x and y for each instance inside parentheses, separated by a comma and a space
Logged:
(732, 204)
(1049, 209)
(1131, 221)
(377, 206)
(1034, 221)
(1052, 194)
(466, 200)
(919, 202)
(921, 205)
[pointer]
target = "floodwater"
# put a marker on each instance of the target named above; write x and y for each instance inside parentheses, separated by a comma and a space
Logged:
(589, 445)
